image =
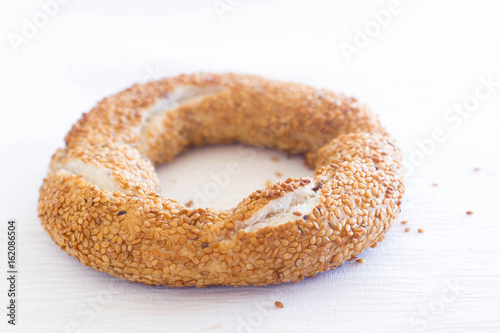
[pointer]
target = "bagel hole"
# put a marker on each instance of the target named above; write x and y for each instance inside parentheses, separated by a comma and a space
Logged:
(219, 177)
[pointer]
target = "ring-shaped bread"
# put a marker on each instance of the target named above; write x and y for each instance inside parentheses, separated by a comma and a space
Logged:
(101, 201)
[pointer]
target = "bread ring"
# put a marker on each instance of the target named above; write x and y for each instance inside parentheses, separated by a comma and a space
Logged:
(101, 204)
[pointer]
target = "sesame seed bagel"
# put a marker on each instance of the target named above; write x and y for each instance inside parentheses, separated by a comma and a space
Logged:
(101, 201)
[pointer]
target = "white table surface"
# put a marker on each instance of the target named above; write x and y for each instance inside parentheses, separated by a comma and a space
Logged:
(429, 57)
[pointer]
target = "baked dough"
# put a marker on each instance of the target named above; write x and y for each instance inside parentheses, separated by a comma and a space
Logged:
(101, 200)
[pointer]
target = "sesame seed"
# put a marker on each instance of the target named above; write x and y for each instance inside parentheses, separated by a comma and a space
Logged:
(469, 212)
(278, 304)
(407, 229)
(404, 222)
(360, 260)
(420, 230)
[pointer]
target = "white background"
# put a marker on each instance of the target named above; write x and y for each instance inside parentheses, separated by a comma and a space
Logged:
(412, 71)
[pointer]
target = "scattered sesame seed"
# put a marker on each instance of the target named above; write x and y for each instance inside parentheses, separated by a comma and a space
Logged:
(278, 304)
(404, 222)
(189, 203)
(279, 174)
(407, 229)
(469, 212)
(435, 185)
(477, 169)
(420, 230)
(360, 260)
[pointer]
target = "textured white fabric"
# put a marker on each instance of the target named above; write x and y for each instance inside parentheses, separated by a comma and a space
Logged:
(429, 57)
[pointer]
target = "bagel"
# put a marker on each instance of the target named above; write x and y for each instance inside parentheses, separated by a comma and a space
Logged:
(101, 201)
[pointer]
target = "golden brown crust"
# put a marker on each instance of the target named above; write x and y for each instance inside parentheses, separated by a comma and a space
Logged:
(125, 228)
